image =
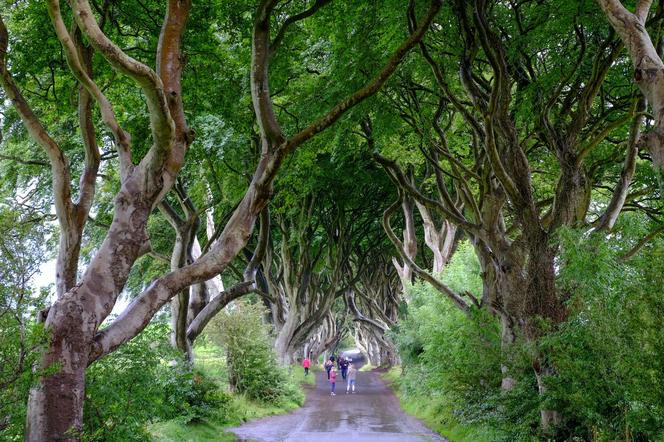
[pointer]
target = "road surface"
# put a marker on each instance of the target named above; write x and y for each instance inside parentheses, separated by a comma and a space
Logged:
(371, 414)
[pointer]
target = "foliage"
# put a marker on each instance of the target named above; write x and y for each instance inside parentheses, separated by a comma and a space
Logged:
(252, 363)
(609, 354)
(22, 247)
(211, 361)
(144, 381)
(448, 359)
(433, 415)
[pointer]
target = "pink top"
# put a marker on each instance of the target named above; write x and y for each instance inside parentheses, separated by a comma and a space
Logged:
(333, 375)
(306, 363)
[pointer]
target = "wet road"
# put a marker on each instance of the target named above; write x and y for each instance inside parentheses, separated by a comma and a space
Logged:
(371, 414)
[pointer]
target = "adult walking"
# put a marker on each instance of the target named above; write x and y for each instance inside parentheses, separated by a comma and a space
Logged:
(306, 364)
(329, 364)
(343, 366)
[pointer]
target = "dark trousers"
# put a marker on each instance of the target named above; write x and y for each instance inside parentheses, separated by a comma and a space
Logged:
(306, 371)
(328, 373)
(343, 372)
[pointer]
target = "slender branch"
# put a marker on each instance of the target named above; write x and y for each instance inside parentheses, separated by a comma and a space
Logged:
(170, 63)
(350, 301)
(271, 133)
(161, 122)
(58, 161)
(608, 219)
(88, 180)
(595, 141)
(22, 161)
(216, 305)
(400, 180)
(634, 250)
(293, 19)
(372, 87)
(80, 71)
(438, 285)
(261, 248)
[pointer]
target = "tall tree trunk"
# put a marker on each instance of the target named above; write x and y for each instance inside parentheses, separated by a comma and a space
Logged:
(507, 340)
(55, 406)
(441, 242)
(549, 418)
(409, 245)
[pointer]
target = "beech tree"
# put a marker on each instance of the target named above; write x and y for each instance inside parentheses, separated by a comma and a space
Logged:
(74, 319)
(325, 236)
(373, 304)
(485, 172)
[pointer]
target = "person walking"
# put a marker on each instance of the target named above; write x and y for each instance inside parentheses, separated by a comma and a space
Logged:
(343, 366)
(352, 375)
(306, 364)
(329, 364)
(333, 380)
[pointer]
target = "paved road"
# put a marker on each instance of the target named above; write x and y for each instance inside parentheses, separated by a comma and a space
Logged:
(371, 414)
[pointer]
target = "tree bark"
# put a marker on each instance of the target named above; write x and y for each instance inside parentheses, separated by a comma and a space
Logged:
(410, 246)
(648, 67)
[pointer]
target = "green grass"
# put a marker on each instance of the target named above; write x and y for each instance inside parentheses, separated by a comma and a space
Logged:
(210, 360)
(210, 430)
(299, 377)
(367, 367)
(174, 431)
(436, 416)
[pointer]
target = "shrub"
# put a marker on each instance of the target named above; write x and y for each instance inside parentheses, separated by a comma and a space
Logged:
(144, 381)
(252, 363)
(608, 355)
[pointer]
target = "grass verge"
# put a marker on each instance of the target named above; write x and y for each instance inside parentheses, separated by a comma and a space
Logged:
(211, 362)
(435, 415)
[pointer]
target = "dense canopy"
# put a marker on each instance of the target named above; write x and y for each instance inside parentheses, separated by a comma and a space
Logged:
(471, 190)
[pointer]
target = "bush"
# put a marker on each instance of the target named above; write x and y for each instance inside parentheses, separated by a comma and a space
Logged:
(23, 248)
(19, 344)
(608, 355)
(452, 363)
(252, 363)
(144, 381)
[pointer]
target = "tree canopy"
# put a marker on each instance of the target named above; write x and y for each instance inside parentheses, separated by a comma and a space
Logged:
(353, 168)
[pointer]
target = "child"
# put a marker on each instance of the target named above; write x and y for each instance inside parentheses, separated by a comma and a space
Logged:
(333, 380)
(306, 364)
(352, 375)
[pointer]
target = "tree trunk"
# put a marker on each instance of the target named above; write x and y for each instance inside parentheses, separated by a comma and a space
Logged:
(441, 241)
(55, 406)
(507, 339)
(179, 307)
(66, 265)
(549, 418)
(285, 334)
(409, 244)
